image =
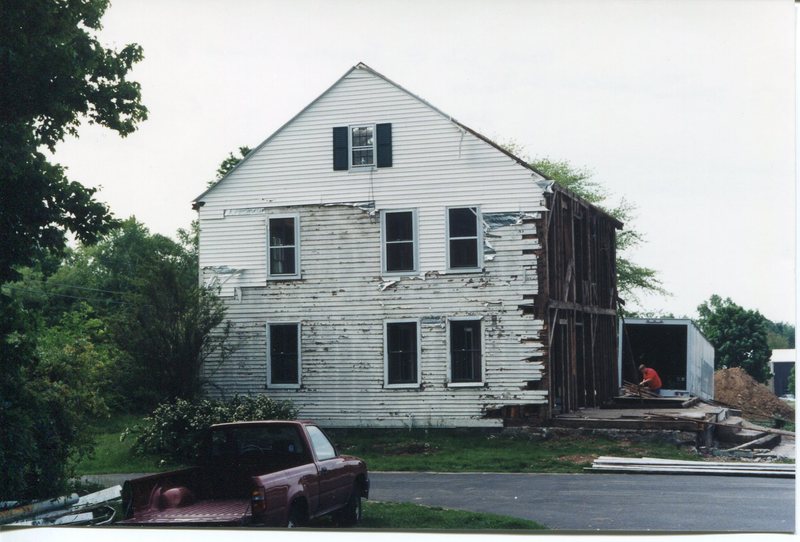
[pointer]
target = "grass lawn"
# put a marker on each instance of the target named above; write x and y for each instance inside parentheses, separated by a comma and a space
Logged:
(415, 517)
(475, 451)
(112, 456)
(418, 450)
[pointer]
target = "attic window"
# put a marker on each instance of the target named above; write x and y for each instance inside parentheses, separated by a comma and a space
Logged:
(362, 146)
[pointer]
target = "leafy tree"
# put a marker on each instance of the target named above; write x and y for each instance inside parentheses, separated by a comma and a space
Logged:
(791, 381)
(56, 396)
(632, 279)
(739, 336)
(780, 335)
(168, 327)
(145, 287)
(55, 74)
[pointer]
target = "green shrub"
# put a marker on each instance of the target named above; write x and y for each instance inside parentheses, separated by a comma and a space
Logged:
(175, 430)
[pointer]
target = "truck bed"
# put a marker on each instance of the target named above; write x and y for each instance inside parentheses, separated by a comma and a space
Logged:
(217, 511)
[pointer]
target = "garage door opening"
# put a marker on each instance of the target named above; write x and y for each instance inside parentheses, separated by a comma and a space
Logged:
(675, 348)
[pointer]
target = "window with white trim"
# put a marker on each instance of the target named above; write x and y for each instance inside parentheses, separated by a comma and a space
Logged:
(399, 230)
(402, 353)
(283, 240)
(463, 238)
(362, 145)
(283, 355)
(466, 354)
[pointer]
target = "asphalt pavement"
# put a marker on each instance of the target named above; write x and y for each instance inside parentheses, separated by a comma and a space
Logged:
(606, 502)
(597, 502)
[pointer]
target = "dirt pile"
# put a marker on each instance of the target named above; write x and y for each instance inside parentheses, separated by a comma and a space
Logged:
(737, 388)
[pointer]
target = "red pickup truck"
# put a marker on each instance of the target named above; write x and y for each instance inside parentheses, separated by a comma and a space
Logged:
(274, 473)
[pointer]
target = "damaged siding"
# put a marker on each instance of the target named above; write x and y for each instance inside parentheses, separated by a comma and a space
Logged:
(341, 298)
(342, 302)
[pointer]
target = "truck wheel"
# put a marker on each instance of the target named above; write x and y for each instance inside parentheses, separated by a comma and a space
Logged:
(297, 517)
(351, 513)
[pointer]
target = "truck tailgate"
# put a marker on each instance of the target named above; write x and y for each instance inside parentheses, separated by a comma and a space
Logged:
(222, 511)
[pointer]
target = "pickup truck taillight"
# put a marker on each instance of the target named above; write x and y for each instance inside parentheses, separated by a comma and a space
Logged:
(258, 502)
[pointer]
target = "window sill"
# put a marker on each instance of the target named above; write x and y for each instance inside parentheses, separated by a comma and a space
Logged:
(279, 278)
(414, 386)
(283, 386)
(399, 274)
(465, 384)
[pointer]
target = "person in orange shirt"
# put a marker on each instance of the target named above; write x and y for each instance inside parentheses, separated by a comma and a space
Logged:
(650, 379)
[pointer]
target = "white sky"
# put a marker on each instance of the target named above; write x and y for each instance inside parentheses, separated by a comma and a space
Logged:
(685, 108)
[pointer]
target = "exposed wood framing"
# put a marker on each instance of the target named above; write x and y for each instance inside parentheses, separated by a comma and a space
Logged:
(577, 302)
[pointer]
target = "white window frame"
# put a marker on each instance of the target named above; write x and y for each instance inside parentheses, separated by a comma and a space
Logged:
(415, 240)
(450, 383)
(299, 355)
(479, 240)
(284, 276)
(350, 148)
(386, 353)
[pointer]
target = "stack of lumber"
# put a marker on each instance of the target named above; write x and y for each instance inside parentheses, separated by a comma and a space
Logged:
(637, 390)
(649, 465)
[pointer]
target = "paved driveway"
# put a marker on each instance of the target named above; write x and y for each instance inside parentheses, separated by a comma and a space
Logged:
(606, 502)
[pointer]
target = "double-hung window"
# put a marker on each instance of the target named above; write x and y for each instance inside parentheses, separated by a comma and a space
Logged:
(399, 230)
(283, 347)
(466, 354)
(283, 240)
(464, 238)
(362, 146)
(402, 353)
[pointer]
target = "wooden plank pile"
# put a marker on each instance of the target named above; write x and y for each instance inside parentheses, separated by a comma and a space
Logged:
(637, 391)
(649, 465)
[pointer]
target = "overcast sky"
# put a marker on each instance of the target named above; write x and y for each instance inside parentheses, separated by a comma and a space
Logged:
(685, 108)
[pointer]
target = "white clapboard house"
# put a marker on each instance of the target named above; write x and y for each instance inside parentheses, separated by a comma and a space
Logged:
(385, 265)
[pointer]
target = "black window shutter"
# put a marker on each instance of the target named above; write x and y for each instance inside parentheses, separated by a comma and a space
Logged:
(383, 135)
(340, 161)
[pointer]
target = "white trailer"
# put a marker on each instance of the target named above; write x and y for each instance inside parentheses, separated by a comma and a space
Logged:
(675, 348)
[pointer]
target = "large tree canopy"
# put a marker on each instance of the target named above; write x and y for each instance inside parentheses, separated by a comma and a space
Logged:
(739, 336)
(632, 279)
(55, 74)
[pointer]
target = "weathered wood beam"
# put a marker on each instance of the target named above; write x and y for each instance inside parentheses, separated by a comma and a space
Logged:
(568, 305)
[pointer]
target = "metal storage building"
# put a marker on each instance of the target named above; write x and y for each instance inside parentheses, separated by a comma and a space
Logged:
(675, 348)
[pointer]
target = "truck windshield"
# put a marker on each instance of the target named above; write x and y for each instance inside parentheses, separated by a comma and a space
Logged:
(243, 444)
